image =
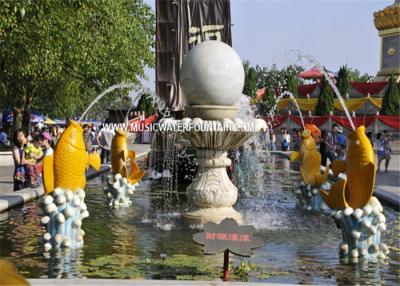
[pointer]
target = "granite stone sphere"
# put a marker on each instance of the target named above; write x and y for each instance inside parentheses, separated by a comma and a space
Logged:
(212, 74)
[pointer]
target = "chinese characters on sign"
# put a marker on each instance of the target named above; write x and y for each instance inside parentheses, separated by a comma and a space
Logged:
(210, 32)
(227, 236)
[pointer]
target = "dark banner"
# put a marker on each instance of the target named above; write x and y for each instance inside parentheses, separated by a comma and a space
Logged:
(182, 24)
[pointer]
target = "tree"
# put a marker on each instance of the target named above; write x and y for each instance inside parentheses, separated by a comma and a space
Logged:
(268, 103)
(258, 77)
(251, 78)
(146, 104)
(355, 75)
(325, 100)
(343, 82)
(292, 84)
(391, 99)
(55, 56)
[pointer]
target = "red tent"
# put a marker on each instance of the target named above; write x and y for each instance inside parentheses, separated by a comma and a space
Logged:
(369, 87)
(311, 74)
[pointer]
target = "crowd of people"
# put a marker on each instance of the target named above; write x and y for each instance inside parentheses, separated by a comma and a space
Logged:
(28, 154)
(29, 151)
(332, 144)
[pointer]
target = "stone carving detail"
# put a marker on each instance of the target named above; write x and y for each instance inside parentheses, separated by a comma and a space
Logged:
(212, 186)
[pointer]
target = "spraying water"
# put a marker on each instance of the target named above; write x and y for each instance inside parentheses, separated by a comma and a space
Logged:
(108, 90)
(297, 106)
(301, 57)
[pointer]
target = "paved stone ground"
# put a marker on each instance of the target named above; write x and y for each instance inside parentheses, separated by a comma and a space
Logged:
(107, 282)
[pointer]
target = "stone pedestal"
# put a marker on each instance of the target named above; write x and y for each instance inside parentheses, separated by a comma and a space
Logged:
(361, 232)
(63, 212)
(212, 186)
(308, 197)
(212, 193)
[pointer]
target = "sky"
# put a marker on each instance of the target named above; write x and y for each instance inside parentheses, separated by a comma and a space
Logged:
(335, 32)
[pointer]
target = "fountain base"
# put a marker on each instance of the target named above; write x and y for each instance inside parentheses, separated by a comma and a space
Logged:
(63, 215)
(216, 215)
(361, 231)
(211, 112)
(308, 197)
(118, 190)
(212, 187)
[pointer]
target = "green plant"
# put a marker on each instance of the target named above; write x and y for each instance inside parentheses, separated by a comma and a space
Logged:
(343, 81)
(268, 103)
(325, 100)
(244, 269)
(391, 99)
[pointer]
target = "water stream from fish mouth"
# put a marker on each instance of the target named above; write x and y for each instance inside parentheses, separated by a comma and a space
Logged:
(128, 242)
(295, 56)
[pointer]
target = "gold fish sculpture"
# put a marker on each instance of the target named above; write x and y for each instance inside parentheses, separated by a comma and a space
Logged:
(9, 275)
(310, 161)
(119, 156)
(67, 166)
(360, 169)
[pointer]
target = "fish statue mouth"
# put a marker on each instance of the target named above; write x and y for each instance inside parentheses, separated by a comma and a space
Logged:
(306, 133)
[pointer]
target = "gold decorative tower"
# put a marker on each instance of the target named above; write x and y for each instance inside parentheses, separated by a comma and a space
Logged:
(387, 21)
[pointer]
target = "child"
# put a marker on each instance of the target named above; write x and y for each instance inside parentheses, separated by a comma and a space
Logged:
(32, 153)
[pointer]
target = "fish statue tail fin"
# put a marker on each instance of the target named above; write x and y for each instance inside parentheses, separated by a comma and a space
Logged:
(9, 275)
(338, 166)
(363, 194)
(48, 174)
(322, 178)
(336, 198)
(294, 155)
(93, 160)
(135, 174)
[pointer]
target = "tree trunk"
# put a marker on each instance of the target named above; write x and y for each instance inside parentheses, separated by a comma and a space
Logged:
(17, 118)
(22, 114)
(26, 121)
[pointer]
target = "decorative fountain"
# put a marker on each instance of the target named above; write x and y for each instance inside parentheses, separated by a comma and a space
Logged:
(307, 193)
(119, 184)
(64, 182)
(356, 212)
(212, 81)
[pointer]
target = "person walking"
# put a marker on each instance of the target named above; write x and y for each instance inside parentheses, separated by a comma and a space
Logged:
(20, 175)
(330, 146)
(386, 149)
(296, 139)
(285, 140)
(104, 139)
(272, 140)
(322, 147)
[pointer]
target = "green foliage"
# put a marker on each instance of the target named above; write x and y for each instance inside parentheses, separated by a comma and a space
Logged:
(55, 56)
(258, 77)
(391, 99)
(343, 81)
(244, 269)
(355, 75)
(146, 104)
(177, 266)
(325, 100)
(292, 84)
(268, 103)
(251, 78)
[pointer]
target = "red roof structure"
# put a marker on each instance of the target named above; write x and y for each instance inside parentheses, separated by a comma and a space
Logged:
(311, 74)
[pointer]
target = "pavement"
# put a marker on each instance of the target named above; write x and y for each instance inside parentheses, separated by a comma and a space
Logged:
(107, 282)
(9, 198)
